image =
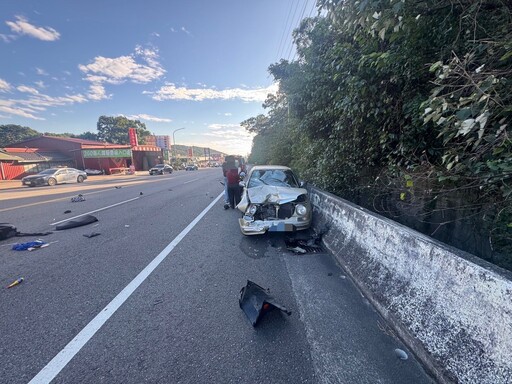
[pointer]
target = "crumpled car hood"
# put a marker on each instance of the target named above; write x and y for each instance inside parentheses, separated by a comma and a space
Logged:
(275, 195)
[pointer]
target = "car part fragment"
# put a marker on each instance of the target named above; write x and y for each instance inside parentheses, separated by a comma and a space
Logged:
(255, 301)
(78, 222)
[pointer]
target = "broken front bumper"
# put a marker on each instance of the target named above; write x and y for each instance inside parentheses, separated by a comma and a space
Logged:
(259, 227)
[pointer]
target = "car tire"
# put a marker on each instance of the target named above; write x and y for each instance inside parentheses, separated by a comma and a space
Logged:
(80, 179)
(52, 181)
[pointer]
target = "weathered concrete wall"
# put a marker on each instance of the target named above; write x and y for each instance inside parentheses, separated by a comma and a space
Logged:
(453, 309)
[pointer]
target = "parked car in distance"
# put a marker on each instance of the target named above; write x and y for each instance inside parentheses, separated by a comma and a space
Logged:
(160, 169)
(54, 176)
(191, 167)
(273, 200)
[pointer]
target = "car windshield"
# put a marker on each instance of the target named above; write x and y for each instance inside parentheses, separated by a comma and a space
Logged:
(159, 166)
(275, 177)
(50, 171)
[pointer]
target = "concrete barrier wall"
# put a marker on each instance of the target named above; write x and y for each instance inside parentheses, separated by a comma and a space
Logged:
(452, 309)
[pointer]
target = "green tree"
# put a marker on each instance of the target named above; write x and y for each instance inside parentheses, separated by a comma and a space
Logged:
(10, 134)
(115, 129)
(88, 136)
(401, 103)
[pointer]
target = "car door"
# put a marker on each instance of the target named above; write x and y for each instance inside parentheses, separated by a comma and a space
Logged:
(61, 176)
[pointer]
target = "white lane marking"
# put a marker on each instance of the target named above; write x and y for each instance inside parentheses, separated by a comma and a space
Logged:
(53, 368)
(190, 181)
(96, 210)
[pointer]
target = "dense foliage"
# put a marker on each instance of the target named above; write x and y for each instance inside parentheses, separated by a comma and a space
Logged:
(11, 133)
(115, 129)
(402, 106)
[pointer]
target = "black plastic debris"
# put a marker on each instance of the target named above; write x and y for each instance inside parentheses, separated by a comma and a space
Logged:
(67, 211)
(255, 301)
(92, 234)
(303, 246)
(78, 222)
(8, 230)
(118, 187)
(141, 194)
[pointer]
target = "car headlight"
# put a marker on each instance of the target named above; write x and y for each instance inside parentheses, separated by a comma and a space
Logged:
(252, 209)
(301, 210)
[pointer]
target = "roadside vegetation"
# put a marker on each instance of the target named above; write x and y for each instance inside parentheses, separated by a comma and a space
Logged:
(405, 108)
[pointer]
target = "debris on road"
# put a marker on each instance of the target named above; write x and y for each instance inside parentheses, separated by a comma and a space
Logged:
(118, 187)
(310, 244)
(92, 234)
(297, 250)
(38, 246)
(255, 301)
(67, 211)
(8, 230)
(78, 222)
(78, 198)
(402, 355)
(29, 246)
(16, 282)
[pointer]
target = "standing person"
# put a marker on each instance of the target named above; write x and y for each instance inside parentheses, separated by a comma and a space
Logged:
(233, 183)
(229, 163)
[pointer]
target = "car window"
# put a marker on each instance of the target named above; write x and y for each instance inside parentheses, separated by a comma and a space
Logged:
(47, 172)
(275, 177)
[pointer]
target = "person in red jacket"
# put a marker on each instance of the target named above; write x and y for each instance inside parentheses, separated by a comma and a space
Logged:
(233, 182)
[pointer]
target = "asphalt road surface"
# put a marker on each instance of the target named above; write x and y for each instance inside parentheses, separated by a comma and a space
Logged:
(154, 297)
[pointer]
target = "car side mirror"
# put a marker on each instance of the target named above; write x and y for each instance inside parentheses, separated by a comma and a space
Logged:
(303, 184)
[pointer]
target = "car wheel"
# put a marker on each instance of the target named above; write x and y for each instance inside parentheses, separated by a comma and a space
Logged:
(52, 181)
(80, 179)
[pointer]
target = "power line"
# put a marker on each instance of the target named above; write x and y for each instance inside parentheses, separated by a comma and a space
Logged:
(290, 28)
(309, 16)
(297, 24)
(284, 31)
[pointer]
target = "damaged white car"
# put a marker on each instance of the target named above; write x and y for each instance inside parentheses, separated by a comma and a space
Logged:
(273, 200)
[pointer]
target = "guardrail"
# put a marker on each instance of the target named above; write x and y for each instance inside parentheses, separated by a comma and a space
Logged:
(453, 309)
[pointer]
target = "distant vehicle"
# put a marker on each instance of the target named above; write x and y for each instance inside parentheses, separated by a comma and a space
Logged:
(54, 176)
(92, 172)
(273, 200)
(191, 167)
(160, 169)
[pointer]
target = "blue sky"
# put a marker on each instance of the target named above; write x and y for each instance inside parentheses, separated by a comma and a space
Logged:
(197, 64)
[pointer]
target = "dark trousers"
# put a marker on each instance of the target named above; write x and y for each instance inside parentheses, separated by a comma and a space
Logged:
(234, 195)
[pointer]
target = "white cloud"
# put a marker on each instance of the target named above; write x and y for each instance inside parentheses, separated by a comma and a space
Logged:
(149, 118)
(34, 102)
(232, 138)
(25, 89)
(40, 84)
(41, 72)
(97, 92)
(7, 107)
(22, 27)
(4, 86)
(141, 67)
(171, 92)
(7, 38)
(183, 29)
(125, 68)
